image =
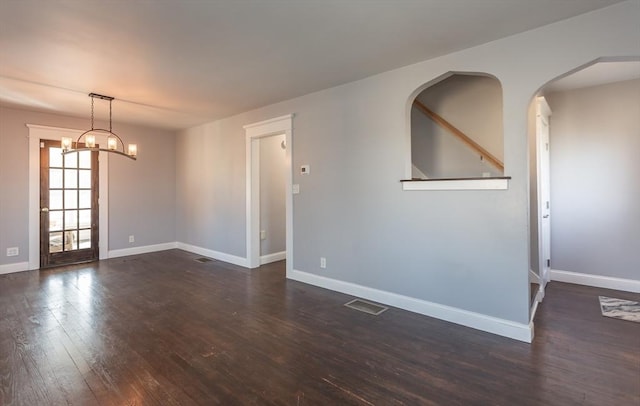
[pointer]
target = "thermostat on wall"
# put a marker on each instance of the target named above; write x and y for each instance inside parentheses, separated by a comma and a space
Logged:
(305, 169)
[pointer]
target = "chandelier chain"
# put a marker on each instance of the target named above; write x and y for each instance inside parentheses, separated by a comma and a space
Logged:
(92, 113)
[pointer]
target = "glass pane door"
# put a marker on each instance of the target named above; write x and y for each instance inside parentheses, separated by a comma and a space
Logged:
(68, 205)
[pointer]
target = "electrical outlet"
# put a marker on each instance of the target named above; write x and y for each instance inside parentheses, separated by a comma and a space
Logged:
(132, 238)
(295, 188)
(323, 262)
(263, 234)
(13, 251)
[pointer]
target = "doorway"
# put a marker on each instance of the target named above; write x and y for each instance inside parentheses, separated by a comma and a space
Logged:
(282, 127)
(594, 171)
(38, 134)
(540, 202)
(272, 198)
(543, 112)
(68, 206)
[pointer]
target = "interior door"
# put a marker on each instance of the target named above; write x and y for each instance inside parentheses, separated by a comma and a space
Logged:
(68, 206)
(544, 191)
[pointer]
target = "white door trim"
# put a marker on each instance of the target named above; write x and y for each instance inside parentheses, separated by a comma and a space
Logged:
(40, 132)
(543, 112)
(253, 132)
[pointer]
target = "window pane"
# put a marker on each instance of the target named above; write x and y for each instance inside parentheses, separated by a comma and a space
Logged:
(85, 219)
(70, 219)
(55, 220)
(85, 159)
(70, 240)
(55, 242)
(55, 199)
(85, 179)
(55, 178)
(55, 157)
(85, 199)
(70, 178)
(85, 239)
(70, 199)
(71, 160)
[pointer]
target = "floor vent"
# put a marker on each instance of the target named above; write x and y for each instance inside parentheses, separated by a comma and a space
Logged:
(367, 307)
(203, 260)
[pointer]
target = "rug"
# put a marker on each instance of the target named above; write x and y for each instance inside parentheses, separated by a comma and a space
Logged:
(620, 309)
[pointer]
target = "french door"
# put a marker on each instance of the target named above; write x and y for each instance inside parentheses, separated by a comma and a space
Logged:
(68, 206)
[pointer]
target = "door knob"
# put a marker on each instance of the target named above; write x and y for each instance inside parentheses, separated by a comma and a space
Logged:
(546, 216)
(44, 209)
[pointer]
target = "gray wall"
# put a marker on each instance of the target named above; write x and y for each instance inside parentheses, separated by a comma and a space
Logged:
(595, 180)
(141, 193)
(272, 194)
(473, 104)
(210, 189)
(465, 249)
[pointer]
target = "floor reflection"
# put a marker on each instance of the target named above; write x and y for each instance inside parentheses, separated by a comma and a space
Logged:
(70, 299)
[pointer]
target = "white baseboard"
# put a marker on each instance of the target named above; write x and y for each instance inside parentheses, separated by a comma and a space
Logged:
(16, 267)
(220, 256)
(276, 256)
(534, 308)
(537, 299)
(545, 276)
(141, 250)
(607, 282)
(506, 328)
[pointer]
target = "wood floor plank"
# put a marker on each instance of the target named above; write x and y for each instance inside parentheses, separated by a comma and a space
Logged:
(55, 369)
(112, 360)
(25, 382)
(163, 329)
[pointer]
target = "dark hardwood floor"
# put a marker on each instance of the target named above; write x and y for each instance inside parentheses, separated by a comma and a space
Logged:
(163, 329)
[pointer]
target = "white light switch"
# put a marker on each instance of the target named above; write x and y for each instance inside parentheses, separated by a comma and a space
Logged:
(263, 234)
(295, 189)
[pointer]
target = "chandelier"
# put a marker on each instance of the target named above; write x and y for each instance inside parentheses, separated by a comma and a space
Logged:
(114, 142)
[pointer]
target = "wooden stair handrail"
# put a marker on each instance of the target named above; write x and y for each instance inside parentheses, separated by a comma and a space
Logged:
(484, 154)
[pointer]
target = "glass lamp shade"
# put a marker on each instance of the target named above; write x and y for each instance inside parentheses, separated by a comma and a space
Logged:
(112, 143)
(65, 143)
(90, 141)
(133, 150)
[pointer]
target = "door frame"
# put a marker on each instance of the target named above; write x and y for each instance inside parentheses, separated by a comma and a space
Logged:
(40, 132)
(543, 112)
(253, 133)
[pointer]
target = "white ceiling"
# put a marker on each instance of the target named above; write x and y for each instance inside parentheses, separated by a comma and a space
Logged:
(175, 64)
(597, 74)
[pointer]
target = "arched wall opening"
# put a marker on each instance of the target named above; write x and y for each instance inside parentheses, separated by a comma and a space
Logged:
(594, 132)
(457, 127)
